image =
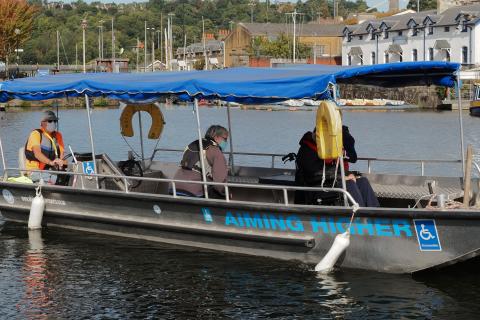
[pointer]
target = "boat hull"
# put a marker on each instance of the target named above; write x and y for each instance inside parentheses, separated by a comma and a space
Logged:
(386, 240)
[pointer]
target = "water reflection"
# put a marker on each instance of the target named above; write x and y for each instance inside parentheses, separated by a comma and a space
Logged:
(37, 292)
(66, 274)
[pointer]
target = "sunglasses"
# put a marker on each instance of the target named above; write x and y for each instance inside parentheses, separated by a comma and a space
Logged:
(50, 121)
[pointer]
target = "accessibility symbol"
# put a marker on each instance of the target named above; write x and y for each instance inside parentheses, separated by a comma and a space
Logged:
(427, 235)
(88, 167)
(207, 215)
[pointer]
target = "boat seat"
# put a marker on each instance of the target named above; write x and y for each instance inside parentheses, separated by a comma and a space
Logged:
(400, 191)
(246, 180)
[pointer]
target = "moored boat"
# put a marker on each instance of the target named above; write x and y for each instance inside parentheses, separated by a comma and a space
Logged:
(475, 103)
(408, 233)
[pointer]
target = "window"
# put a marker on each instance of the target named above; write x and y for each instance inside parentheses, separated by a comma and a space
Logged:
(361, 59)
(447, 55)
(385, 34)
(372, 35)
(414, 32)
(400, 33)
(360, 37)
(464, 54)
(464, 26)
(430, 30)
(349, 38)
(373, 58)
(446, 29)
(400, 57)
(386, 57)
(349, 60)
(414, 55)
(430, 54)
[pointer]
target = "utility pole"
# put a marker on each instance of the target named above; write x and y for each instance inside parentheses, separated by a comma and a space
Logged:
(251, 4)
(204, 45)
(145, 49)
(84, 26)
(161, 37)
(153, 49)
(76, 56)
(58, 50)
(99, 43)
(113, 47)
(138, 50)
(294, 19)
(170, 36)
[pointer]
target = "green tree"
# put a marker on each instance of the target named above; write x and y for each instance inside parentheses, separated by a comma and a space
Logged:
(424, 5)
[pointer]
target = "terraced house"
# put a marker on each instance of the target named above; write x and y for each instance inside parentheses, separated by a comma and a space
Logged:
(448, 35)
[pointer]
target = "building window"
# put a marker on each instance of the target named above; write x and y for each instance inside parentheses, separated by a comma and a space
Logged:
(372, 35)
(385, 34)
(349, 60)
(464, 54)
(361, 59)
(430, 54)
(447, 55)
(446, 29)
(414, 55)
(430, 30)
(386, 57)
(374, 61)
(400, 57)
(360, 37)
(414, 32)
(349, 38)
(400, 33)
(464, 26)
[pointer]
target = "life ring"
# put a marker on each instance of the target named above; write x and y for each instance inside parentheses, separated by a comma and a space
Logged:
(329, 131)
(126, 127)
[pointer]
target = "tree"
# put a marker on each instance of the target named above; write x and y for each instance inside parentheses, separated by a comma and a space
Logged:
(424, 5)
(279, 48)
(17, 20)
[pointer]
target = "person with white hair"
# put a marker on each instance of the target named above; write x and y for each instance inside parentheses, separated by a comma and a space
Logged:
(214, 143)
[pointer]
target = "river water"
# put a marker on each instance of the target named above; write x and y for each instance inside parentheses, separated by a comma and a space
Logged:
(68, 274)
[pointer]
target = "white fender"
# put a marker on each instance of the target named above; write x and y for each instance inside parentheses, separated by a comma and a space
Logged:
(36, 211)
(341, 242)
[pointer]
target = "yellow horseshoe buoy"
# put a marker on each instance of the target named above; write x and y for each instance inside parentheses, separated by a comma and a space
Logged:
(329, 131)
(126, 127)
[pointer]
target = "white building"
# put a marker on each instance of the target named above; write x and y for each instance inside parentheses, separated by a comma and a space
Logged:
(424, 36)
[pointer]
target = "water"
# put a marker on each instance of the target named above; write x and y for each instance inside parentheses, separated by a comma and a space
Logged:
(68, 274)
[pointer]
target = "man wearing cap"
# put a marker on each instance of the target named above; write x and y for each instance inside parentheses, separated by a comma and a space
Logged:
(44, 147)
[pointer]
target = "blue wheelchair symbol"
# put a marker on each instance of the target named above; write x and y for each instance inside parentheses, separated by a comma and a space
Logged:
(88, 167)
(427, 235)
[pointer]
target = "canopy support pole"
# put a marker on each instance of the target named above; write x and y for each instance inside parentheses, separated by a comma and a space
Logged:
(201, 151)
(231, 139)
(141, 137)
(460, 119)
(87, 103)
(5, 175)
(342, 168)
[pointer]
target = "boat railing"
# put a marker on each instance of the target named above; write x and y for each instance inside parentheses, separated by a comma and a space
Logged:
(370, 160)
(421, 162)
(226, 185)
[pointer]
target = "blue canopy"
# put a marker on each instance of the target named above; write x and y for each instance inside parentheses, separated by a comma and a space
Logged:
(244, 85)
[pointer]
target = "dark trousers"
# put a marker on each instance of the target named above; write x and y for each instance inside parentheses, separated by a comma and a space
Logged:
(362, 192)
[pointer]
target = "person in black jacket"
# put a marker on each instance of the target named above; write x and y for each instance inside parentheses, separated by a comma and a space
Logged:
(311, 172)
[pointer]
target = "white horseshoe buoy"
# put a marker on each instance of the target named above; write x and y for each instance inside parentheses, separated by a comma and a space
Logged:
(36, 210)
(341, 242)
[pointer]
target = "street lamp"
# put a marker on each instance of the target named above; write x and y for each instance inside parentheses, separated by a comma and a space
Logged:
(84, 26)
(17, 34)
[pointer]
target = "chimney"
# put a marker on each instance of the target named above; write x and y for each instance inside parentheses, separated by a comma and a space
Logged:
(394, 5)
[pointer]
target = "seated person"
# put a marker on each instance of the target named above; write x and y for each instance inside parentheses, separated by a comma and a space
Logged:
(214, 143)
(44, 149)
(310, 172)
